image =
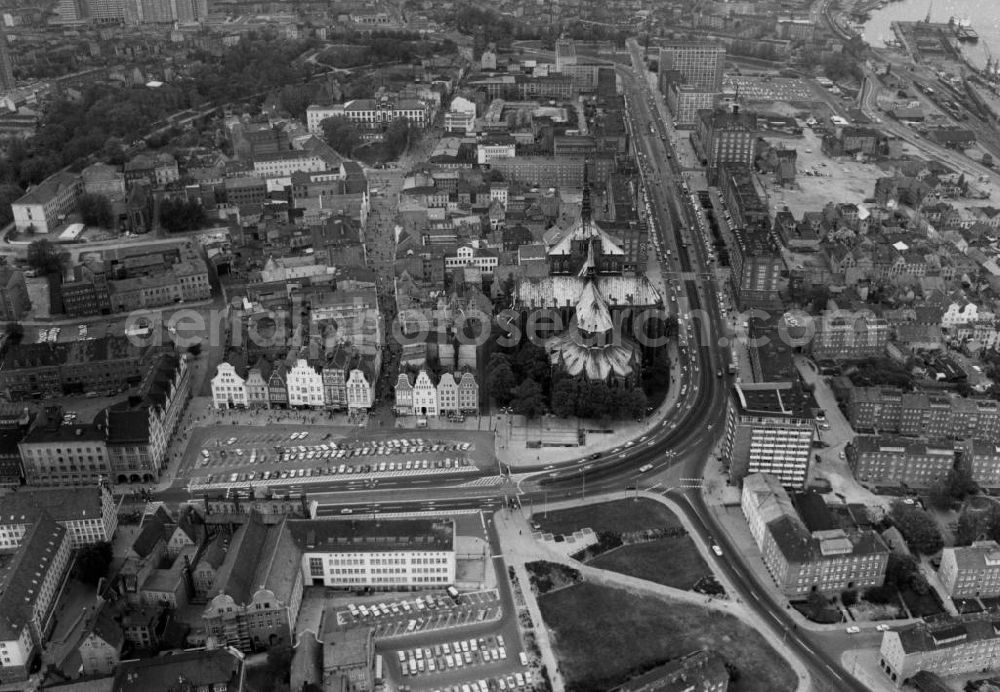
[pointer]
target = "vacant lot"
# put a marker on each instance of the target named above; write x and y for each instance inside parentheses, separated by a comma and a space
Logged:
(620, 516)
(604, 636)
(672, 561)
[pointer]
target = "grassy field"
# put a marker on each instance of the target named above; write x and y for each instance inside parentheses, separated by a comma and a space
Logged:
(672, 561)
(603, 636)
(620, 516)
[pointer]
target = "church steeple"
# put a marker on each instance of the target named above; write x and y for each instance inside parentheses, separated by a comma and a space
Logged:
(585, 211)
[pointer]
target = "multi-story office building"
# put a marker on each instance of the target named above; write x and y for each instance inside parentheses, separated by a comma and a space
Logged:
(726, 136)
(254, 600)
(769, 429)
(30, 581)
(164, 11)
(283, 163)
(89, 515)
(386, 555)
(842, 335)
(105, 11)
(57, 454)
(800, 560)
(895, 461)
(685, 102)
(971, 571)
(701, 65)
(45, 206)
(949, 646)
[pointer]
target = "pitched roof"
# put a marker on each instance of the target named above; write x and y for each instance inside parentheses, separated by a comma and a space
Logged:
(259, 557)
(151, 533)
(63, 504)
(200, 669)
(21, 573)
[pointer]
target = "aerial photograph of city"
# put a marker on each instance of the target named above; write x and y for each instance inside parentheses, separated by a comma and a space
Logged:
(459, 346)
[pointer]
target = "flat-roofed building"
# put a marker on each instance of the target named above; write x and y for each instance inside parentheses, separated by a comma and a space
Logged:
(949, 646)
(58, 454)
(385, 555)
(700, 64)
(898, 461)
(971, 571)
(802, 561)
(769, 429)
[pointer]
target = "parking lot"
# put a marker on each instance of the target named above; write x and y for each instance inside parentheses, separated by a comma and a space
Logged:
(423, 614)
(769, 88)
(304, 456)
(475, 657)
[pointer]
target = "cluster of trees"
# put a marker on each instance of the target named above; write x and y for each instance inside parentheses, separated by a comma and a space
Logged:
(978, 523)
(901, 573)
(95, 210)
(376, 48)
(880, 371)
(919, 529)
(952, 488)
(344, 136)
(575, 397)
(521, 379)
(92, 562)
(106, 116)
(178, 215)
(45, 258)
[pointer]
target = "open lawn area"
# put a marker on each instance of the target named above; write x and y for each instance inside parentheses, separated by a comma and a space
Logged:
(620, 516)
(604, 636)
(672, 561)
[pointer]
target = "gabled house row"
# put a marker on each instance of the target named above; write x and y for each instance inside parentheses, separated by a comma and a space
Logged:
(422, 397)
(346, 383)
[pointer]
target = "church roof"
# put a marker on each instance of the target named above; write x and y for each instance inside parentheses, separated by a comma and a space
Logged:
(561, 243)
(592, 313)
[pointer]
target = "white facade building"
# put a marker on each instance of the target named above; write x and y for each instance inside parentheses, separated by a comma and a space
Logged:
(447, 391)
(425, 399)
(283, 163)
(387, 555)
(360, 391)
(228, 387)
(305, 385)
(90, 515)
(368, 113)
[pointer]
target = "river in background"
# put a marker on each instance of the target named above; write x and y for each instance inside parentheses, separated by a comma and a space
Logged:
(983, 16)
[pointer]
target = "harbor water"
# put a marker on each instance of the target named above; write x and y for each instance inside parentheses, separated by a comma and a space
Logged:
(982, 15)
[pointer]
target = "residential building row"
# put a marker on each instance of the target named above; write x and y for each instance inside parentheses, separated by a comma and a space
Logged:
(420, 396)
(801, 559)
(889, 410)
(346, 383)
(948, 646)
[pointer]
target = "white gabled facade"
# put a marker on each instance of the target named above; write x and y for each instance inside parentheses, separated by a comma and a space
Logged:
(228, 388)
(425, 398)
(360, 391)
(305, 385)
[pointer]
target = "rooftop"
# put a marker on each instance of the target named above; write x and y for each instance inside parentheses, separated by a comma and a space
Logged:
(200, 669)
(63, 504)
(370, 536)
(22, 573)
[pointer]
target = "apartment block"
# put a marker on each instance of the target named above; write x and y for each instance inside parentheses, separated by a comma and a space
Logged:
(848, 336)
(983, 459)
(542, 171)
(890, 410)
(949, 646)
(769, 429)
(971, 571)
(900, 462)
(45, 206)
(89, 515)
(388, 555)
(801, 560)
(30, 580)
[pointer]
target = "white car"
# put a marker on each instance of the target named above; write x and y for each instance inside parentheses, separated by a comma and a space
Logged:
(882, 628)
(717, 550)
(853, 629)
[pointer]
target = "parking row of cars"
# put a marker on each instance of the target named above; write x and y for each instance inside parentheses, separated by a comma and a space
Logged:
(452, 655)
(344, 450)
(398, 608)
